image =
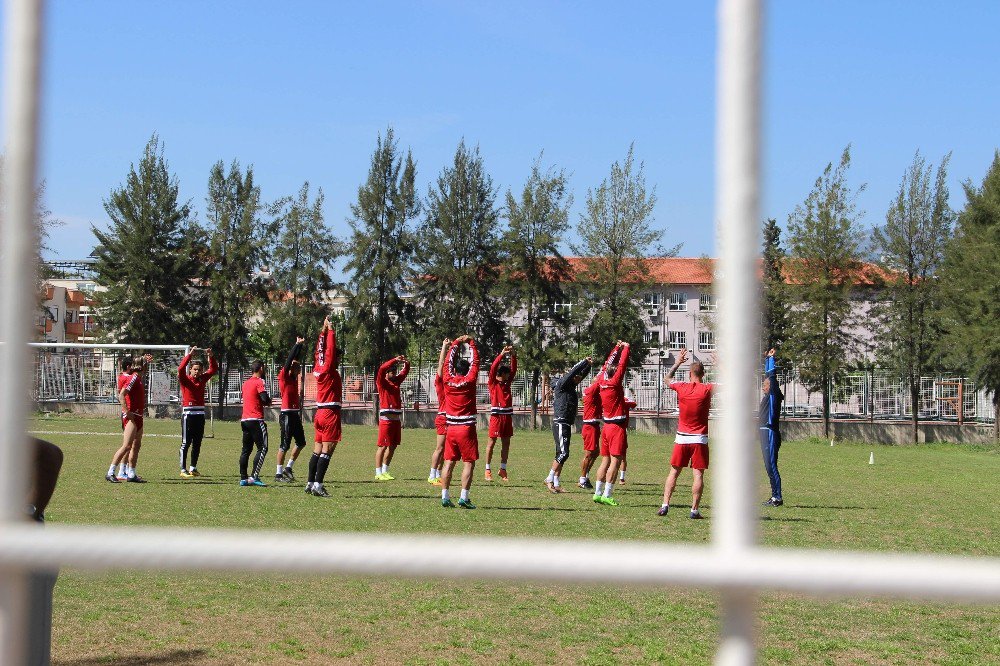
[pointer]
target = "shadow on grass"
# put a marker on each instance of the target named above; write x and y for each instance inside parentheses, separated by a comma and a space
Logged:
(528, 508)
(835, 508)
(788, 520)
(423, 497)
(175, 657)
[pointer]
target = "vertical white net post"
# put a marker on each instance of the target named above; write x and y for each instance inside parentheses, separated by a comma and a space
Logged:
(734, 516)
(22, 52)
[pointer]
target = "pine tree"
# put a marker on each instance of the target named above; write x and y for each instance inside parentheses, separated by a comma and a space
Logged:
(970, 284)
(616, 239)
(149, 257)
(535, 272)
(823, 267)
(382, 249)
(458, 256)
(301, 264)
(239, 242)
(910, 247)
(774, 300)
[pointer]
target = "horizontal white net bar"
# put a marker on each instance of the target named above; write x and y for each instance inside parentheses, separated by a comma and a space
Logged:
(813, 572)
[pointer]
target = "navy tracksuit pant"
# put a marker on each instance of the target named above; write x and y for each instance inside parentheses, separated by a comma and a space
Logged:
(770, 442)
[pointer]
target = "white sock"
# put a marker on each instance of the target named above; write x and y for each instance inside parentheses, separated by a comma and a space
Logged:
(555, 480)
(281, 468)
(130, 471)
(444, 493)
(310, 484)
(599, 488)
(664, 506)
(465, 494)
(548, 479)
(621, 476)
(111, 470)
(385, 469)
(121, 469)
(608, 488)
(378, 471)
(487, 467)
(583, 479)
(192, 469)
(433, 474)
(502, 465)
(288, 465)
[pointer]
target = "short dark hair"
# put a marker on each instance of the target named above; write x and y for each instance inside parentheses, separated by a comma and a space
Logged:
(697, 369)
(503, 370)
(126, 363)
(197, 362)
(462, 366)
(256, 366)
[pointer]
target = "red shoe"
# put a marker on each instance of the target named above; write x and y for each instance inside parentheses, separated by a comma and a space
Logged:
(503, 474)
(489, 475)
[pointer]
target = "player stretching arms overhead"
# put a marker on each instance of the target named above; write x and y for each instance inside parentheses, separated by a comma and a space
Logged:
(501, 409)
(770, 432)
(614, 435)
(591, 430)
(461, 442)
(290, 418)
(327, 420)
(441, 420)
(193, 380)
(132, 398)
(564, 408)
(691, 445)
(255, 399)
(390, 414)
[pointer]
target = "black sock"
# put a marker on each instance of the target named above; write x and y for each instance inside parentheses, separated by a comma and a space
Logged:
(312, 467)
(321, 467)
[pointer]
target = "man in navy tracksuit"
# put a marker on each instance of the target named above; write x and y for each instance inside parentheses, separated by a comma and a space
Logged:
(770, 435)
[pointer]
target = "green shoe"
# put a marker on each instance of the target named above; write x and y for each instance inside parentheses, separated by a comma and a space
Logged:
(466, 504)
(387, 477)
(598, 499)
(447, 503)
(610, 501)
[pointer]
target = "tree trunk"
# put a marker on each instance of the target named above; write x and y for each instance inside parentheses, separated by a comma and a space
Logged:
(826, 409)
(223, 388)
(915, 400)
(534, 399)
(996, 416)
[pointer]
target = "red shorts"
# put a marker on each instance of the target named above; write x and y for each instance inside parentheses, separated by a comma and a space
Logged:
(591, 436)
(137, 420)
(695, 455)
(461, 443)
(614, 440)
(501, 425)
(327, 425)
(441, 424)
(390, 433)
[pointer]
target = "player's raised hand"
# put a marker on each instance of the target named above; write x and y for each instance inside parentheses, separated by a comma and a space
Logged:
(147, 358)
(682, 356)
(326, 324)
(770, 352)
(208, 352)
(194, 349)
(299, 339)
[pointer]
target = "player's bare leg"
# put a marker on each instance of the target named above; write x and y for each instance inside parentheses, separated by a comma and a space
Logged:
(468, 470)
(380, 453)
(670, 484)
(446, 472)
(504, 453)
(387, 460)
(621, 472)
(437, 457)
(133, 456)
(589, 458)
(614, 463)
(697, 486)
(602, 471)
(489, 457)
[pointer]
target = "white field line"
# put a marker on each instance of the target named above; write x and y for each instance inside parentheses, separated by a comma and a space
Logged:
(97, 434)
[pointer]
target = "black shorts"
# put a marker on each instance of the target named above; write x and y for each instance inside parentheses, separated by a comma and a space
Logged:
(561, 433)
(291, 429)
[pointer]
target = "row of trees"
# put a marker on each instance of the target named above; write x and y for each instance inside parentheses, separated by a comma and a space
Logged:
(469, 259)
(928, 276)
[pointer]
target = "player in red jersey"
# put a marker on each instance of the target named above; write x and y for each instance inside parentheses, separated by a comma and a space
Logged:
(691, 444)
(290, 418)
(255, 399)
(193, 379)
(591, 430)
(441, 420)
(614, 435)
(501, 409)
(461, 442)
(390, 414)
(132, 398)
(329, 392)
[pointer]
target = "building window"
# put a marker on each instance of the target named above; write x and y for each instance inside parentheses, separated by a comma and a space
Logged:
(706, 341)
(678, 302)
(651, 338)
(651, 299)
(562, 308)
(70, 316)
(677, 339)
(707, 303)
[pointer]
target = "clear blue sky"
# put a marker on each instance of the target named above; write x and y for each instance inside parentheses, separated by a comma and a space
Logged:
(301, 89)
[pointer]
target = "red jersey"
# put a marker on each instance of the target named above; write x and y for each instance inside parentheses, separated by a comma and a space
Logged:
(289, 388)
(612, 390)
(592, 412)
(460, 390)
(135, 391)
(501, 401)
(390, 404)
(439, 391)
(328, 385)
(193, 390)
(694, 399)
(253, 403)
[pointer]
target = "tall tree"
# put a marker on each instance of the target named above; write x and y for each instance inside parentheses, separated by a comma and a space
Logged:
(239, 242)
(382, 248)
(616, 239)
(301, 265)
(458, 255)
(910, 249)
(535, 272)
(825, 244)
(774, 322)
(970, 282)
(147, 257)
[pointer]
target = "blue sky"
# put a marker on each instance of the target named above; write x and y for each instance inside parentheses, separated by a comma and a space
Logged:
(301, 89)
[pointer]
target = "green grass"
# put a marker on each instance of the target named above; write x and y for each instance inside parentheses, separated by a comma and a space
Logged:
(931, 498)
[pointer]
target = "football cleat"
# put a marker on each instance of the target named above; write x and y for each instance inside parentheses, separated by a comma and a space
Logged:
(136, 479)
(586, 485)
(185, 474)
(279, 478)
(309, 488)
(557, 489)
(447, 503)
(663, 511)
(388, 477)
(548, 484)
(254, 481)
(319, 491)
(194, 472)
(489, 475)
(437, 482)
(432, 480)
(503, 475)
(610, 501)
(245, 482)
(466, 504)
(111, 477)
(598, 499)
(696, 514)
(774, 501)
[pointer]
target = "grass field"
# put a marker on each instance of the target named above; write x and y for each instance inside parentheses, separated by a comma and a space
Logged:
(931, 498)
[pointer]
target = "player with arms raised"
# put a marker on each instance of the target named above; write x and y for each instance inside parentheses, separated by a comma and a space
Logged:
(461, 442)
(255, 399)
(498, 382)
(591, 430)
(290, 418)
(441, 420)
(614, 435)
(193, 379)
(329, 390)
(132, 398)
(390, 414)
